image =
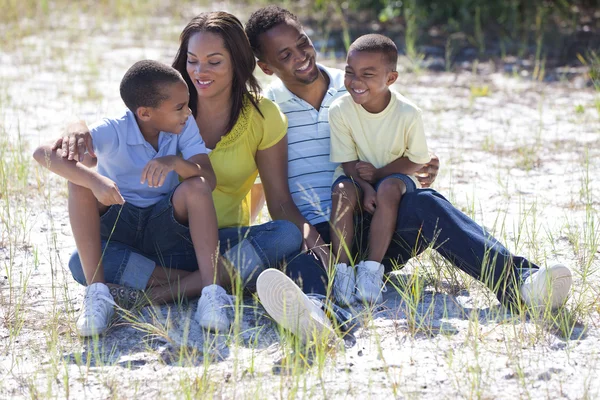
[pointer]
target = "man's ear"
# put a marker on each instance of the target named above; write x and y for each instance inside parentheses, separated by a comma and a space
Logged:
(265, 67)
(143, 113)
(392, 77)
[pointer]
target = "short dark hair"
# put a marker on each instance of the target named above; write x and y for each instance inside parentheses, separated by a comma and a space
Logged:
(375, 43)
(143, 84)
(263, 20)
(230, 29)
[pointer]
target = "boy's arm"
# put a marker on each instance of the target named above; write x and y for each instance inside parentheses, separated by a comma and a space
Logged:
(401, 165)
(369, 194)
(156, 171)
(105, 190)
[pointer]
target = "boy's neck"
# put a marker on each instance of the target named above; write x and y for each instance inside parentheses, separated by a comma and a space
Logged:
(314, 92)
(379, 104)
(148, 132)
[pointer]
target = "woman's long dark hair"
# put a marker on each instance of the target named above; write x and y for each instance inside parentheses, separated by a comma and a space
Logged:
(230, 29)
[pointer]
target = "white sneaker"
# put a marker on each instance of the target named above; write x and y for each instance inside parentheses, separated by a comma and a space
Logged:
(98, 308)
(211, 312)
(291, 308)
(547, 287)
(344, 284)
(369, 281)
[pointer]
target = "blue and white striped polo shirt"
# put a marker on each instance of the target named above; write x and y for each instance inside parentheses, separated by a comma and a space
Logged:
(310, 172)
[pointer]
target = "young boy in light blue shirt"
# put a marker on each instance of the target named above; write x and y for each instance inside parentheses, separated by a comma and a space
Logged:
(135, 198)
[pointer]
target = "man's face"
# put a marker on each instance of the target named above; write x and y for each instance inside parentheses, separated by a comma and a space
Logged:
(172, 114)
(289, 54)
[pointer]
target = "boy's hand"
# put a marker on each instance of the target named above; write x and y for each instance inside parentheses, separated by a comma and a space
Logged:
(75, 142)
(366, 171)
(156, 171)
(369, 200)
(428, 173)
(106, 191)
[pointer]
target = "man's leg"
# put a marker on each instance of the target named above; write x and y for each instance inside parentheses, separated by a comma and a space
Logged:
(426, 218)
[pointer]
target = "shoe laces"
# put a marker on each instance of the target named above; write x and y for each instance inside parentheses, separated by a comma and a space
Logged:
(373, 278)
(96, 303)
(222, 299)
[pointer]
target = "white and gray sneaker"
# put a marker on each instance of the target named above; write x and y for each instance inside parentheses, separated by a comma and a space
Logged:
(211, 312)
(98, 308)
(548, 287)
(285, 302)
(344, 284)
(369, 282)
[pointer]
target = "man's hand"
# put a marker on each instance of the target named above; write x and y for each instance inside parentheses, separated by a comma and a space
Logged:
(366, 171)
(370, 200)
(428, 173)
(106, 191)
(75, 142)
(156, 171)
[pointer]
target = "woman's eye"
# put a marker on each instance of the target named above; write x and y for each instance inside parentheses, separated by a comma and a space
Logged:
(215, 63)
(191, 61)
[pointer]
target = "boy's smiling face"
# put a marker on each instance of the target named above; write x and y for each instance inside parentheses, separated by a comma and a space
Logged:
(172, 114)
(367, 78)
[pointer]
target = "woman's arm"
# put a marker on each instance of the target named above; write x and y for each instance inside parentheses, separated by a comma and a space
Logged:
(273, 170)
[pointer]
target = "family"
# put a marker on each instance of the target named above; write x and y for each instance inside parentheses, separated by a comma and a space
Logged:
(162, 197)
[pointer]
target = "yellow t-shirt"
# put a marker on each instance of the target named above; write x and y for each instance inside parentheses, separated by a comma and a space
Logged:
(380, 138)
(233, 160)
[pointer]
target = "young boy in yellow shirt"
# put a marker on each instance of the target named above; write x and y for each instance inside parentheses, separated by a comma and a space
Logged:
(377, 136)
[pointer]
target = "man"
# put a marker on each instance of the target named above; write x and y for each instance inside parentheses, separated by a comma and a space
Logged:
(304, 93)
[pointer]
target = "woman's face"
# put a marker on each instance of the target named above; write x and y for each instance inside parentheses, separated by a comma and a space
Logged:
(209, 65)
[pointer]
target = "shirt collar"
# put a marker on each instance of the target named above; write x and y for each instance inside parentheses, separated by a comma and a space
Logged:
(134, 134)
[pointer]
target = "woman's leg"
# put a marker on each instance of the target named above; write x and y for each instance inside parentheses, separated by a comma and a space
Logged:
(251, 250)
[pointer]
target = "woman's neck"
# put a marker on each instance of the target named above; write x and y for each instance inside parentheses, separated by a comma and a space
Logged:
(213, 118)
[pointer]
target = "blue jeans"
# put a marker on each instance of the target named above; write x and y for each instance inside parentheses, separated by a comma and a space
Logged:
(135, 240)
(408, 182)
(426, 218)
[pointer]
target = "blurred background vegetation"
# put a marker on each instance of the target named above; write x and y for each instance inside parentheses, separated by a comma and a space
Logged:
(433, 34)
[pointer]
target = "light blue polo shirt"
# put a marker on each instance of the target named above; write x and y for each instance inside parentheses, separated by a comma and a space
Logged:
(310, 172)
(123, 153)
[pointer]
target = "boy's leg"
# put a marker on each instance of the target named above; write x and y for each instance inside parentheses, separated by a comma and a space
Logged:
(84, 216)
(370, 273)
(344, 196)
(389, 193)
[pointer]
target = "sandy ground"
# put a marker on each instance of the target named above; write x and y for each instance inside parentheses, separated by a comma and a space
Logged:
(520, 159)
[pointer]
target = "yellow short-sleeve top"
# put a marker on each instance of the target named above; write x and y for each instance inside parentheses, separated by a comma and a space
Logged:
(234, 159)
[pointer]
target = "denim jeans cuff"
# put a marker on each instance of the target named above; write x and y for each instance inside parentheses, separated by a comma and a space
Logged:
(137, 271)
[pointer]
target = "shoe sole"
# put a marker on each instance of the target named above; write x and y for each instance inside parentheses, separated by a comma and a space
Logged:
(290, 307)
(561, 279)
(558, 279)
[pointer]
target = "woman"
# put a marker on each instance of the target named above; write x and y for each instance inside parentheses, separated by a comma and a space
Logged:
(246, 135)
